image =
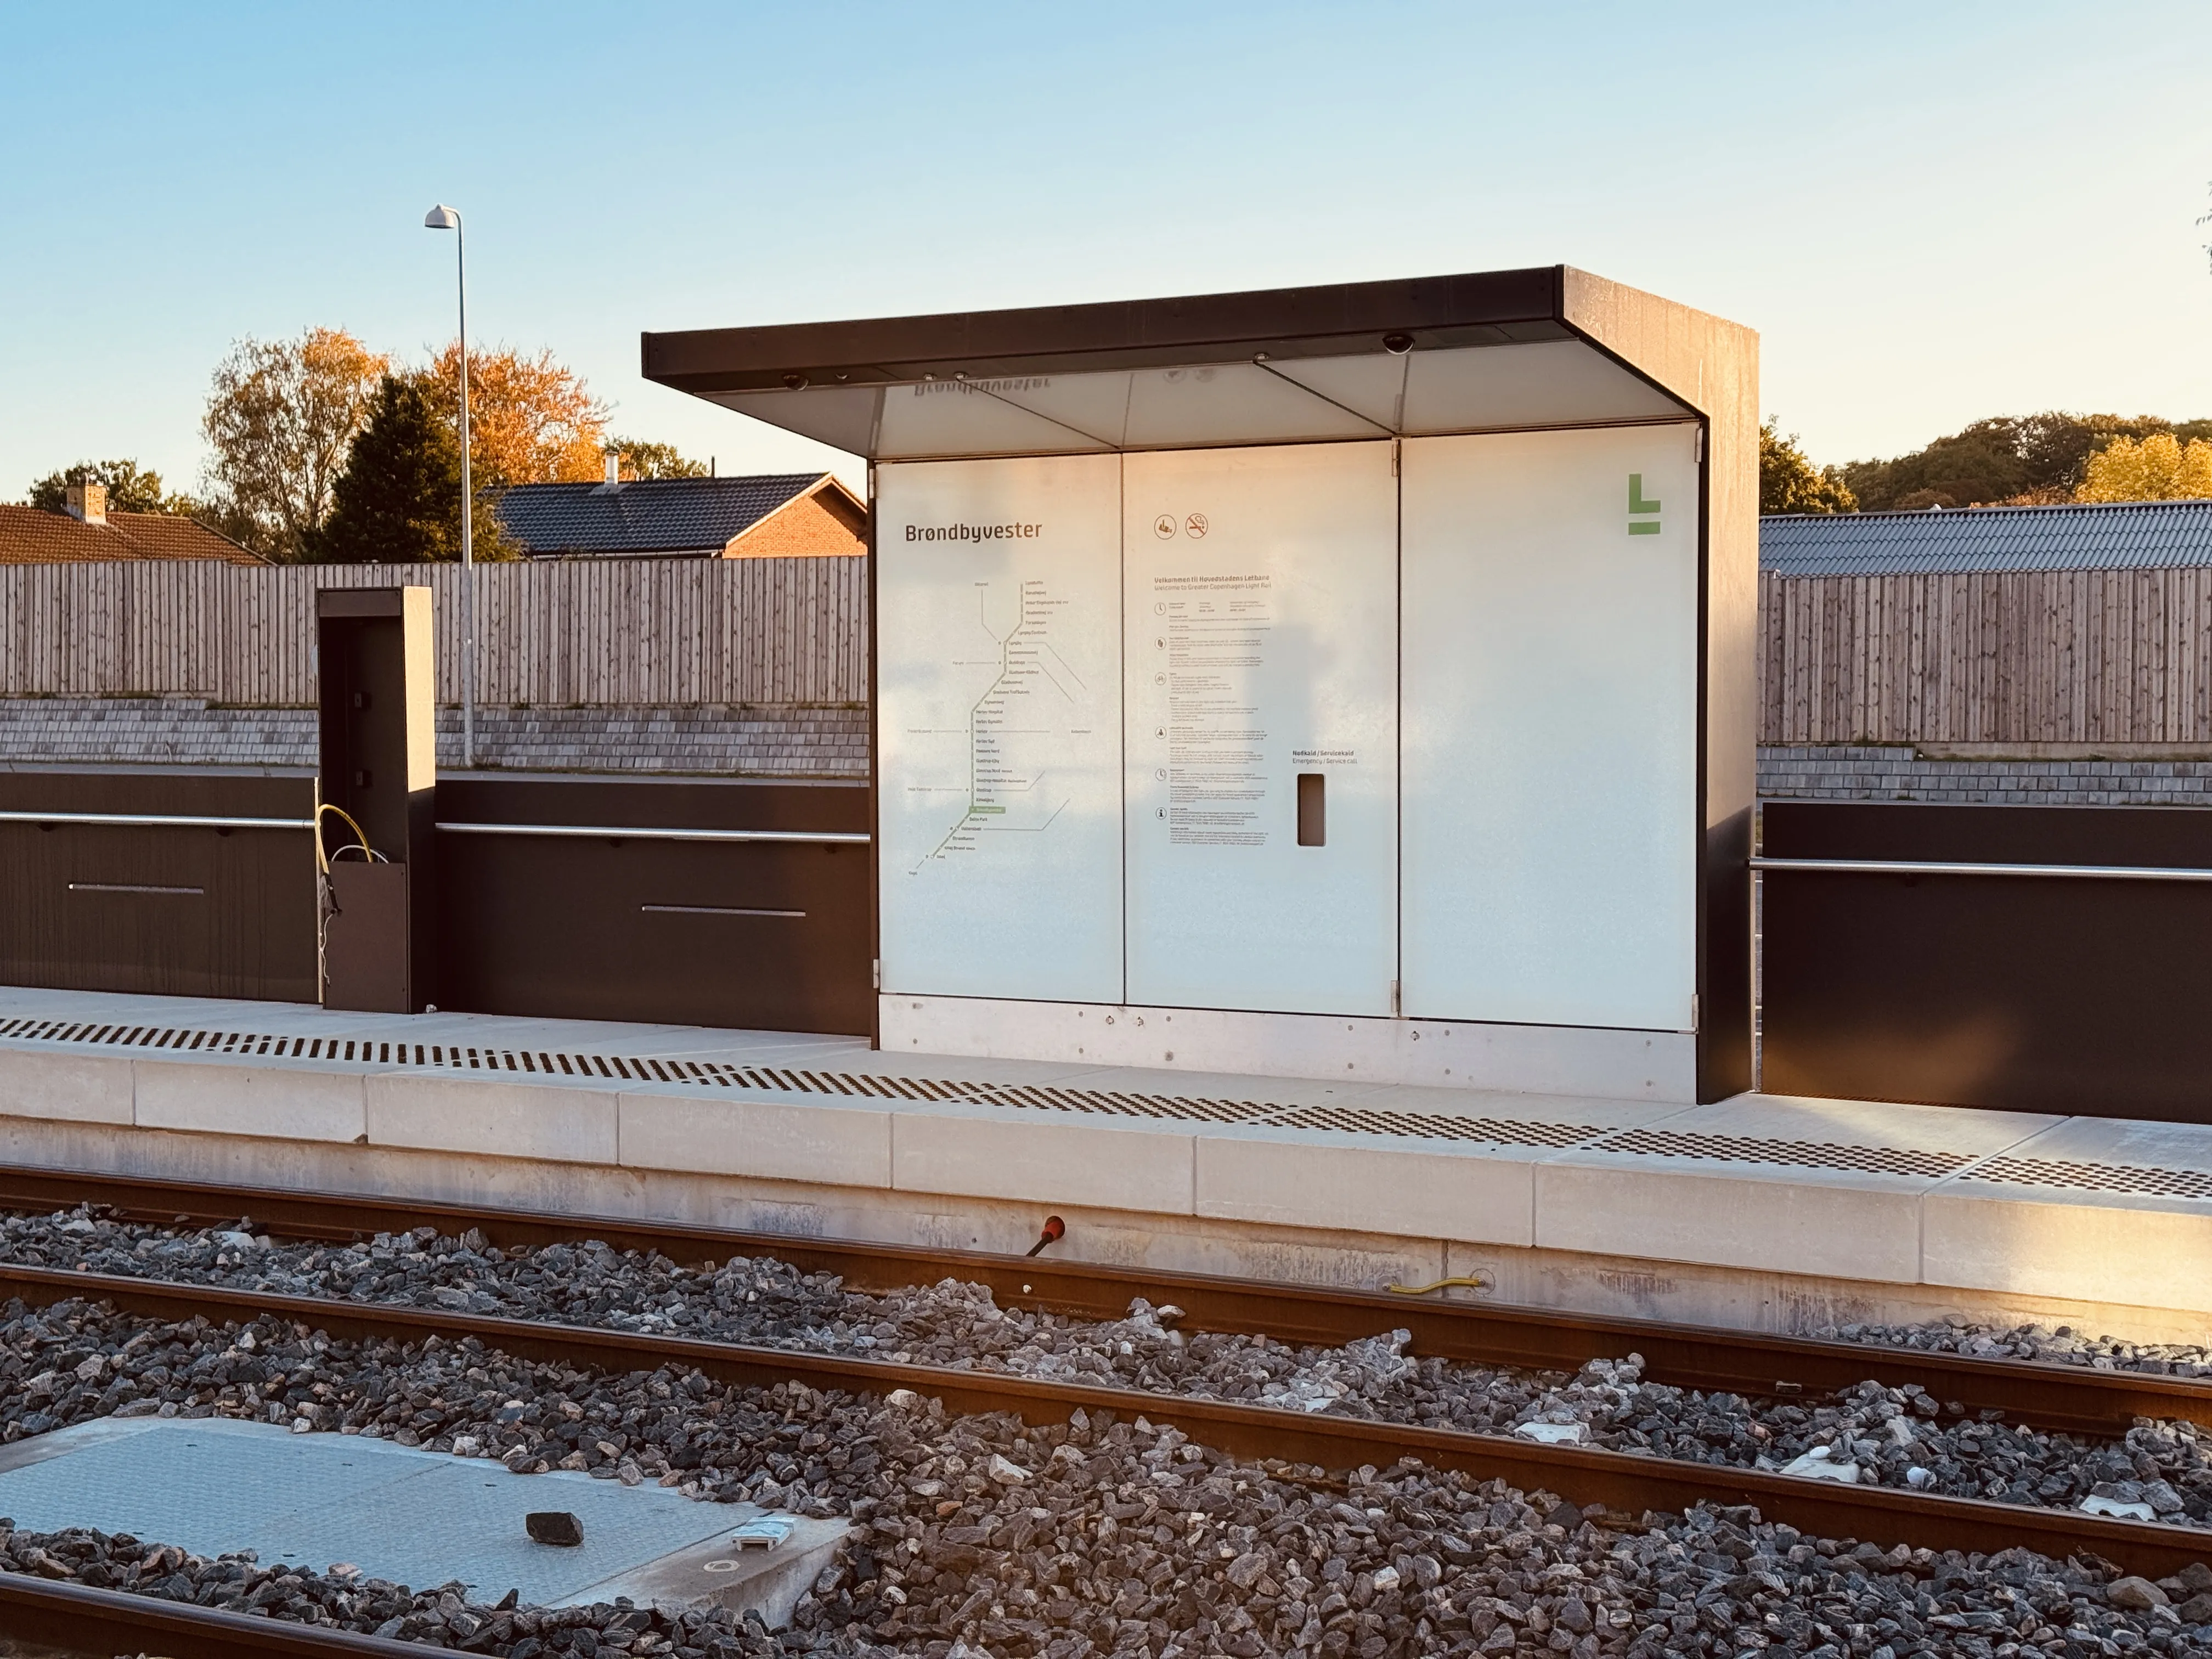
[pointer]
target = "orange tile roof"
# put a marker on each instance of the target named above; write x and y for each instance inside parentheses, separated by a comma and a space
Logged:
(30, 535)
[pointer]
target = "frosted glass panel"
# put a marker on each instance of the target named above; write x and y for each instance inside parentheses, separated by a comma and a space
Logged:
(1262, 596)
(999, 609)
(947, 417)
(1549, 383)
(1551, 728)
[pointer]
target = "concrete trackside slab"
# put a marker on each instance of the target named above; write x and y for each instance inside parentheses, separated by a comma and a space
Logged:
(65, 1088)
(547, 1117)
(1441, 1191)
(1113, 1164)
(1451, 1165)
(1827, 1187)
(282, 1100)
(836, 1142)
(2092, 1209)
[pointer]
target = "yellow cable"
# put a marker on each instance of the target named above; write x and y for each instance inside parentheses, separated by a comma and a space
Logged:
(1423, 1289)
(360, 835)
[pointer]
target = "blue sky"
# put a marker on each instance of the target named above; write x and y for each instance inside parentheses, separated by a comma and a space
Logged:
(1931, 212)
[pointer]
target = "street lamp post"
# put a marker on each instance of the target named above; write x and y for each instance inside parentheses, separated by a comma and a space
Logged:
(442, 218)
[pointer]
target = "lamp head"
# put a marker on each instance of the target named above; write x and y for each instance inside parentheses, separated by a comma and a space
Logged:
(442, 218)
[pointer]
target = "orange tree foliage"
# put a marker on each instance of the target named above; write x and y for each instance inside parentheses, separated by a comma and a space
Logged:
(532, 420)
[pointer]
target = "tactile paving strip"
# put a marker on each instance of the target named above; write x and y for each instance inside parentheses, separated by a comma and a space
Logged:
(1373, 1121)
(1795, 1154)
(2095, 1177)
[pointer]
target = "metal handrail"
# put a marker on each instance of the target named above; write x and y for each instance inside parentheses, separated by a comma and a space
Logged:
(625, 832)
(186, 821)
(157, 820)
(1916, 867)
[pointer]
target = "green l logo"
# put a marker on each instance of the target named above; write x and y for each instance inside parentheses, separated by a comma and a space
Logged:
(1639, 507)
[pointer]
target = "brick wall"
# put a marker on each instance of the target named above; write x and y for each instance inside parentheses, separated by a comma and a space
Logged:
(807, 742)
(806, 529)
(1839, 772)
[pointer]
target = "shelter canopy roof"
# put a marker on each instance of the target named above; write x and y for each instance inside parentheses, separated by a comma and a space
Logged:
(1489, 351)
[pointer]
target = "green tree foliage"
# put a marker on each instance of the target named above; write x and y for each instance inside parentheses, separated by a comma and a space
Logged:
(398, 499)
(2015, 459)
(642, 459)
(1790, 482)
(130, 489)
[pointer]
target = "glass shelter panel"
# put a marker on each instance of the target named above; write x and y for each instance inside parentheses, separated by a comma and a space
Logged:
(999, 727)
(1551, 726)
(1543, 383)
(1260, 593)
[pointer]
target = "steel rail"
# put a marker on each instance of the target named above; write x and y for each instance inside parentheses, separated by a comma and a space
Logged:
(79, 1618)
(2070, 1399)
(1618, 1482)
(1924, 867)
(618, 832)
(156, 820)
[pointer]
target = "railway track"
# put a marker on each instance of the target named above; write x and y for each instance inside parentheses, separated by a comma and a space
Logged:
(1624, 1486)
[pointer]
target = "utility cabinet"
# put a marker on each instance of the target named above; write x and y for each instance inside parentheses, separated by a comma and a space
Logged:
(376, 793)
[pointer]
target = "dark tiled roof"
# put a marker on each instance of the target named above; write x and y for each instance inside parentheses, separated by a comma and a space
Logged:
(31, 535)
(655, 515)
(2102, 536)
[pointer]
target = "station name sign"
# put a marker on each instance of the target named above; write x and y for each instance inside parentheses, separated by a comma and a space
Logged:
(973, 532)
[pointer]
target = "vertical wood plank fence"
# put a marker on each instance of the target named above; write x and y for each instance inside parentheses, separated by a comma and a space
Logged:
(755, 631)
(2077, 656)
(2062, 656)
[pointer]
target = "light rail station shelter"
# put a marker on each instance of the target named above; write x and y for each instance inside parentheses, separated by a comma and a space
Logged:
(1349, 681)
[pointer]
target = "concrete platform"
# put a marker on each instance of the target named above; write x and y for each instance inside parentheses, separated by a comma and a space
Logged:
(1760, 1213)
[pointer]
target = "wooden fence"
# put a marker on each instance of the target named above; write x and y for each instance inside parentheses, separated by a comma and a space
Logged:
(779, 631)
(2083, 656)
(2063, 656)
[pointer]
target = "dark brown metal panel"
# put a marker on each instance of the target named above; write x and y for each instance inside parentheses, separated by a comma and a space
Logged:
(367, 946)
(657, 803)
(1475, 307)
(2030, 994)
(158, 910)
(771, 936)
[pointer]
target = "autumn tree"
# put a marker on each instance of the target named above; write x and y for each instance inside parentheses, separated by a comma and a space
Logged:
(644, 460)
(532, 420)
(2161, 468)
(280, 415)
(1790, 482)
(398, 501)
(130, 489)
(2007, 459)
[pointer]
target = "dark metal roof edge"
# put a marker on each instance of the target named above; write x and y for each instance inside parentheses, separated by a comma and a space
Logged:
(877, 349)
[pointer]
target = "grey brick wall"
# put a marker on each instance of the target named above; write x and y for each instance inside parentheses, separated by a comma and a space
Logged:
(785, 742)
(833, 743)
(1893, 774)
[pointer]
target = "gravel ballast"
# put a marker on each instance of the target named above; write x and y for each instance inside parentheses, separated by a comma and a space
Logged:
(981, 1535)
(1871, 1433)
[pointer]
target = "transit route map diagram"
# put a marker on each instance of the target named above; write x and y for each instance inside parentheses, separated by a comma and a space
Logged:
(1029, 706)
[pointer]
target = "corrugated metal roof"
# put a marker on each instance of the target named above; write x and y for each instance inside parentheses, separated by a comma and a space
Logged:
(2101, 536)
(653, 515)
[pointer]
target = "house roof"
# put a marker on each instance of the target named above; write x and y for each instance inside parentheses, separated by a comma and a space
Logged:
(31, 535)
(653, 515)
(2081, 536)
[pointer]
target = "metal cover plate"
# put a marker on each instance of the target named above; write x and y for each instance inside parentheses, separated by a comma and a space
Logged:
(213, 1486)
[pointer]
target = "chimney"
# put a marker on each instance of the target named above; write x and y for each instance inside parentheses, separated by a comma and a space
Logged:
(87, 501)
(614, 469)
